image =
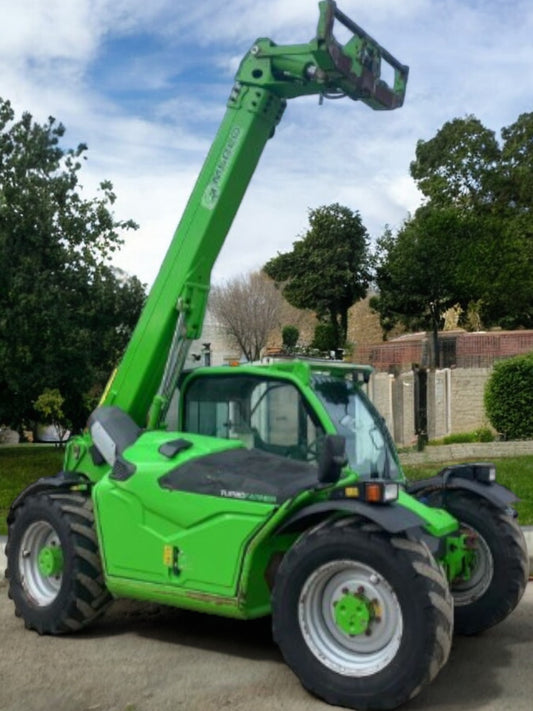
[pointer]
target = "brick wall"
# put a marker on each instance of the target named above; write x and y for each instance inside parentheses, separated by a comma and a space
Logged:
(482, 349)
(457, 348)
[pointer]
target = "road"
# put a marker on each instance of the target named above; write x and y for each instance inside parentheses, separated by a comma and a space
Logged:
(141, 657)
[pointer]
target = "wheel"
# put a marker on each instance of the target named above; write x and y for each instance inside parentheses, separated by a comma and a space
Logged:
(500, 563)
(363, 618)
(54, 570)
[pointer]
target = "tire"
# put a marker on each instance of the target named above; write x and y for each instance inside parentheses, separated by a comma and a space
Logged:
(363, 618)
(501, 563)
(54, 571)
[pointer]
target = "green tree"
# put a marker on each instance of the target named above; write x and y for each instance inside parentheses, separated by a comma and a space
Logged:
(459, 165)
(49, 405)
(65, 315)
(471, 242)
(419, 275)
(515, 209)
(516, 183)
(329, 269)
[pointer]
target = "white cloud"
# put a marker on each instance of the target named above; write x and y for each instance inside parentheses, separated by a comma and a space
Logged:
(46, 30)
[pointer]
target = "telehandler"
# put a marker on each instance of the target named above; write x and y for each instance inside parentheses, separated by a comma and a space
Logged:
(279, 491)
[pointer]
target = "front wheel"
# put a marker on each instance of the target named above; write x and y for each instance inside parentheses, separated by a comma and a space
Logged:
(54, 570)
(363, 618)
(500, 567)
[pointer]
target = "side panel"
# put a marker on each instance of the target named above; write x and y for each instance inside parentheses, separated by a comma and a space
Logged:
(207, 536)
(161, 536)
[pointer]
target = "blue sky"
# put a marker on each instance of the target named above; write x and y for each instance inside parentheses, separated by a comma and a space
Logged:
(144, 84)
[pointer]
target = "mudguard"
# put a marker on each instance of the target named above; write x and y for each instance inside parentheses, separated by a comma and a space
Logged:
(63, 480)
(392, 517)
(460, 477)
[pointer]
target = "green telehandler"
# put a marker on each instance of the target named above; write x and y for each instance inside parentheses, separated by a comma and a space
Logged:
(270, 488)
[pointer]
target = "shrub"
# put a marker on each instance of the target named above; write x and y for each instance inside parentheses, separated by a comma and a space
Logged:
(481, 435)
(325, 337)
(509, 397)
(289, 336)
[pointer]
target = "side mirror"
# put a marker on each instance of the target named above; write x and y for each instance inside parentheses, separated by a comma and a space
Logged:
(332, 459)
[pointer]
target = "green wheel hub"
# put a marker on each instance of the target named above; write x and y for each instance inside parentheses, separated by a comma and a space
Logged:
(350, 617)
(50, 560)
(353, 613)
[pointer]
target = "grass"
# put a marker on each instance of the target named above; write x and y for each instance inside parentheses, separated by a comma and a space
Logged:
(22, 464)
(516, 473)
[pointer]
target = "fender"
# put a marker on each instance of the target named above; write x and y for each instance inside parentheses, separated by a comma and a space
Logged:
(392, 517)
(63, 480)
(464, 476)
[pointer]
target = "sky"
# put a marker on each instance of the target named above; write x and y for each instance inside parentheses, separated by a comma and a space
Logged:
(145, 84)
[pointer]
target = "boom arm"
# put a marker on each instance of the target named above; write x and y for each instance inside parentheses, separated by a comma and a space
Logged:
(268, 75)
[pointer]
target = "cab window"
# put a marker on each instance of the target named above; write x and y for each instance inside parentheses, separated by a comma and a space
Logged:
(265, 413)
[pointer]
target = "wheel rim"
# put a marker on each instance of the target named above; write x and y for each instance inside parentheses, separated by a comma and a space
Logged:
(41, 563)
(350, 618)
(467, 591)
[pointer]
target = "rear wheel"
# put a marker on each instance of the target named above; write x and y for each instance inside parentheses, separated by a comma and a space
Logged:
(363, 618)
(500, 568)
(54, 570)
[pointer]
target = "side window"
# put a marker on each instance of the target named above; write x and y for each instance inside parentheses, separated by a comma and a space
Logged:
(267, 414)
(281, 421)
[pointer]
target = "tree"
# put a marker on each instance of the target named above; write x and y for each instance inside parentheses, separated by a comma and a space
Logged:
(249, 308)
(516, 211)
(49, 405)
(425, 269)
(65, 314)
(473, 237)
(329, 269)
(517, 165)
(458, 166)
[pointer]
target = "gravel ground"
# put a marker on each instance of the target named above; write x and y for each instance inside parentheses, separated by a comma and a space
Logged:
(143, 657)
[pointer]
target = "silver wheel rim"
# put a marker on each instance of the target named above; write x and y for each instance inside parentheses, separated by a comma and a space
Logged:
(356, 655)
(468, 591)
(41, 589)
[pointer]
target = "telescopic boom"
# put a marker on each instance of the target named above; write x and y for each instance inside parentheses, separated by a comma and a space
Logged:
(268, 76)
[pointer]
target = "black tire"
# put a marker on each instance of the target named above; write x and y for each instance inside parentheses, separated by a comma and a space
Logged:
(501, 566)
(53, 566)
(410, 624)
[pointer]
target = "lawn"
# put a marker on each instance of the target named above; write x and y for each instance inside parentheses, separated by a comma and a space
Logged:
(22, 464)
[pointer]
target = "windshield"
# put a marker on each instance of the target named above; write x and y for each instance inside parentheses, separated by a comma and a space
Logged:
(369, 446)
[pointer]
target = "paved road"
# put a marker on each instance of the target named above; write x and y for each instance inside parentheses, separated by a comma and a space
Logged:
(146, 658)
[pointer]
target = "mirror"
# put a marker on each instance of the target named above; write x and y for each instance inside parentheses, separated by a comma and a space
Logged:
(332, 459)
